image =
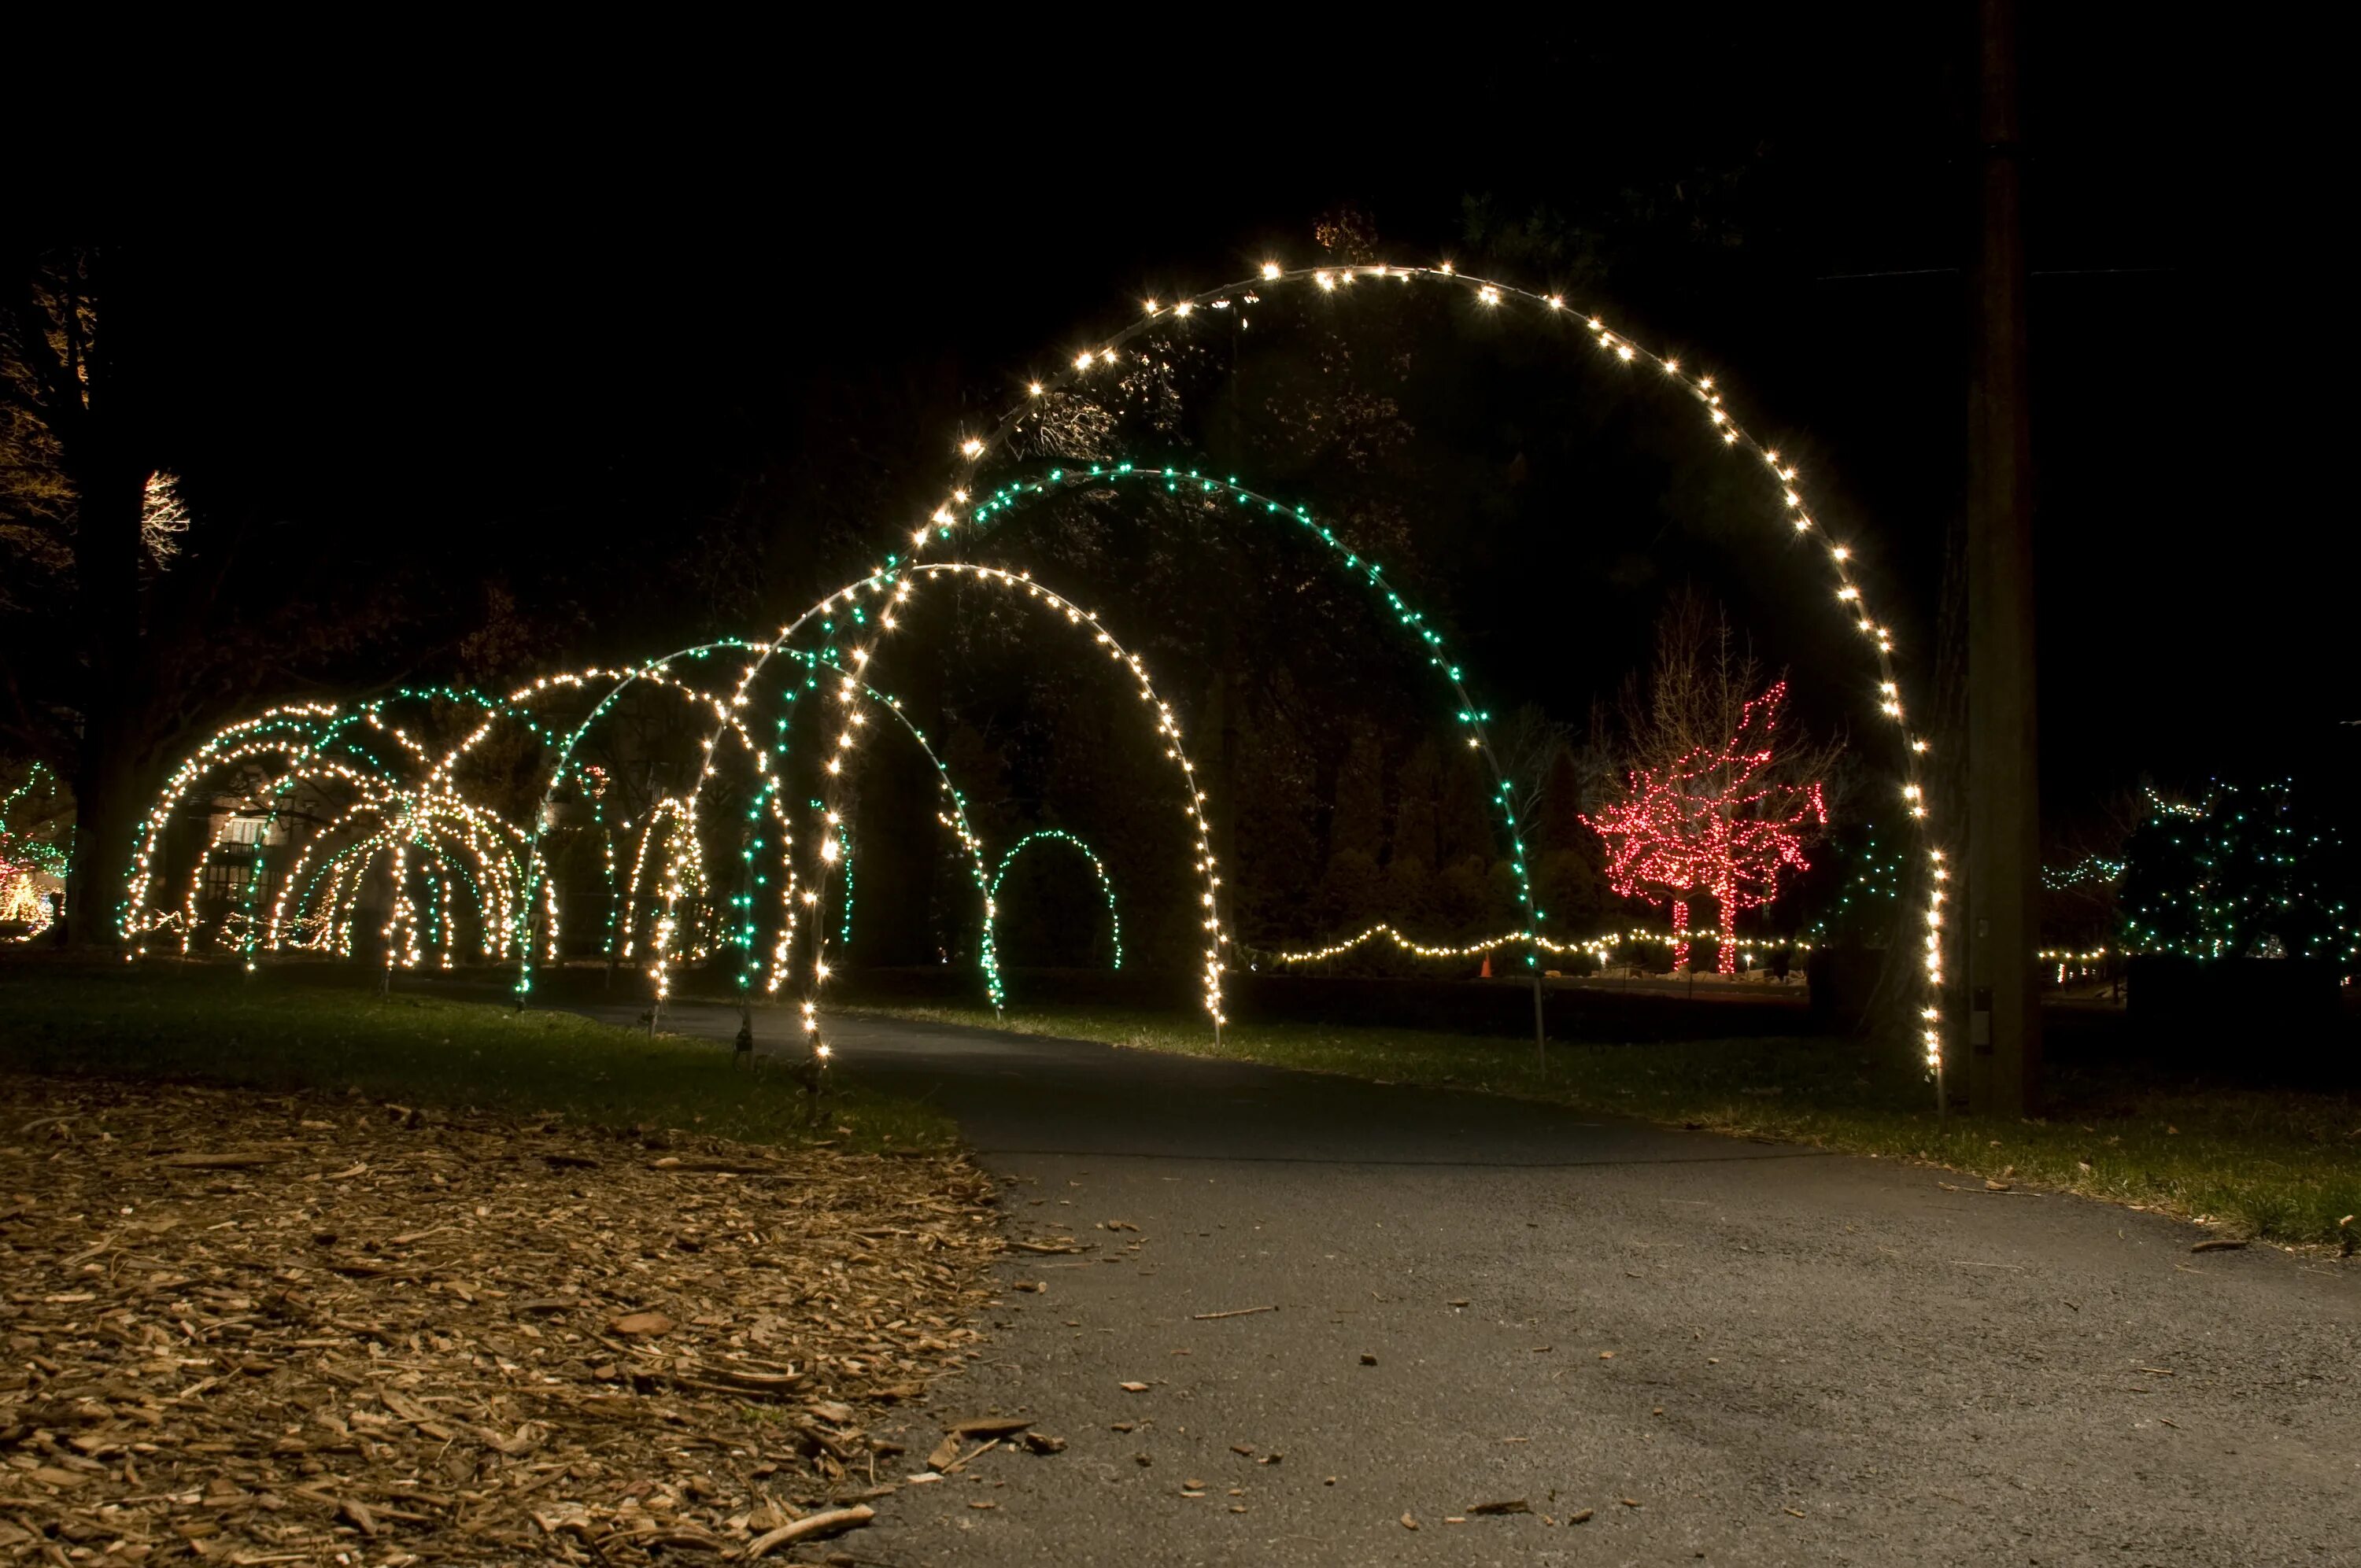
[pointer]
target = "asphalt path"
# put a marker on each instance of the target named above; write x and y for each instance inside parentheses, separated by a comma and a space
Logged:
(1699, 1348)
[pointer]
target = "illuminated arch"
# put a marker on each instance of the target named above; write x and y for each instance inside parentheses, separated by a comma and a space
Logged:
(976, 450)
(1059, 836)
(659, 672)
(982, 512)
(28, 859)
(957, 821)
(320, 743)
(311, 731)
(895, 585)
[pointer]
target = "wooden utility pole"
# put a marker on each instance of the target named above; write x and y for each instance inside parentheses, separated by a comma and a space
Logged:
(2003, 773)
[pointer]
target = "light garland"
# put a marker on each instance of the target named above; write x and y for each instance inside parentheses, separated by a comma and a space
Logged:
(307, 735)
(984, 513)
(1059, 836)
(896, 586)
(32, 864)
(2239, 875)
(2090, 868)
(313, 911)
(955, 820)
(1493, 298)
(888, 589)
(1876, 879)
(658, 672)
(1600, 948)
(304, 736)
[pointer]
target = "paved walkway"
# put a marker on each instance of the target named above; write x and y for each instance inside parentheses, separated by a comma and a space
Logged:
(1700, 1348)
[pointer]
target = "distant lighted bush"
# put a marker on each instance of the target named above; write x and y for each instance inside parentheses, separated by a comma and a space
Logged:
(2249, 872)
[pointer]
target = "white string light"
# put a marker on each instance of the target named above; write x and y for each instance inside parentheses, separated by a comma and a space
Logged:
(978, 449)
(284, 730)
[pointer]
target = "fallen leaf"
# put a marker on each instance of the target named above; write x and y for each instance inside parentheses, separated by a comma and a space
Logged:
(642, 1323)
(432, 1354)
(831, 1521)
(1132, 1387)
(1408, 1522)
(1581, 1516)
(1512, 1506)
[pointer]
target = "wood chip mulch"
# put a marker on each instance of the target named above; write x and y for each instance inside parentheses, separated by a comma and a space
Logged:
(248, 1330)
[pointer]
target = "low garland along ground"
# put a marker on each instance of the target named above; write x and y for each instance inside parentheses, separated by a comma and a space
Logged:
(2278, 1166)
(317, 1326)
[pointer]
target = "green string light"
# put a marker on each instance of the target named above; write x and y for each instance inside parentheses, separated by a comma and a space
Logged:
(1058, 835)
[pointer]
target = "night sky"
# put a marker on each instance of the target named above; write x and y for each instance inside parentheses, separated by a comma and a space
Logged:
(572, 335)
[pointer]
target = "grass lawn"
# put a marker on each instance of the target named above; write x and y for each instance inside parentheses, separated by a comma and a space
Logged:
(215, 1025)
(2280, 1167)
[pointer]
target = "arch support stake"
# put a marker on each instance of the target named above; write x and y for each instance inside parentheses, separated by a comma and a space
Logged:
(1541, 1028)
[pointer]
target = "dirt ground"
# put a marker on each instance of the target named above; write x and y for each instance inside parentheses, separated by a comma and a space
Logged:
(249, 1330)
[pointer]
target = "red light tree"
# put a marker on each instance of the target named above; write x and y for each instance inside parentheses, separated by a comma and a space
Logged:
(1709, 822)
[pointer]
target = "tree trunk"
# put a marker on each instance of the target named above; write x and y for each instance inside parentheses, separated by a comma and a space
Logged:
(109, 771)
(1727, 962)
(1680, 936)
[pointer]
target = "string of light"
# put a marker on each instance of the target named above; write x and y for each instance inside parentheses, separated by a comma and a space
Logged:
(1098, 868)
(29, 858)
(1491, 297)
(888, 589)
(1600, 946)
(1706, 822)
